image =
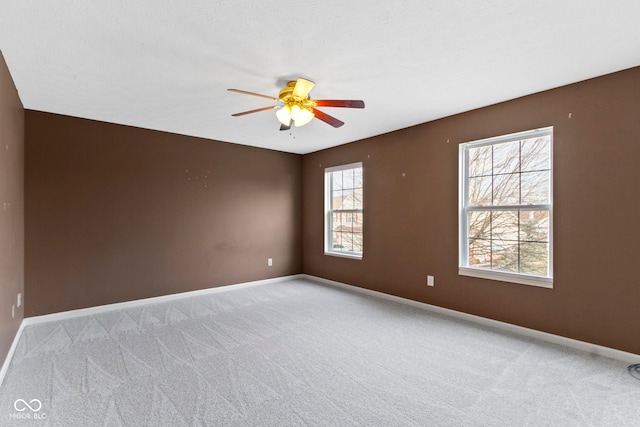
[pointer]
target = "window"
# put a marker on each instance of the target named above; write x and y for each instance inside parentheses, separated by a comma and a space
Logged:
(506, 208)
(343, 210)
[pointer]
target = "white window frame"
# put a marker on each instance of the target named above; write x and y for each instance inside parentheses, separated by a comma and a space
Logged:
(464, 269)
(328, 211)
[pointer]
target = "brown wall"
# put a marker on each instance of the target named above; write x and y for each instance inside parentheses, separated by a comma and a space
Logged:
(11, 208)
(115, 213)
(411, 226)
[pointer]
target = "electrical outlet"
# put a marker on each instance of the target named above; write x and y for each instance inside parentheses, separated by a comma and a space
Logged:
(19, 299)
(270, 262)
(430, 281)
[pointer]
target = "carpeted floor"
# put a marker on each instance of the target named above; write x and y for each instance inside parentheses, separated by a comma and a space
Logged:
(297, 353)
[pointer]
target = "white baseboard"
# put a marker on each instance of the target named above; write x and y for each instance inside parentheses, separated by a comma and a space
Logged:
(520, 330)
(12, 350)
(153, 300)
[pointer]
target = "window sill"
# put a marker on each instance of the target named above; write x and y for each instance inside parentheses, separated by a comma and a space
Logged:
(344, 254)
(502, 276)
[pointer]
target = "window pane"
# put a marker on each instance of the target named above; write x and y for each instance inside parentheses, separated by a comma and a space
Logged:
(357, 198)
(349, 242)
(348, 200)
(358, 223)
(358, 220)
(338, 200)
(504, 225)
(357, 178)
(535, 155)
(480, 161)
(534, 258)
(344, 246)
(336, 240)
(480, 253)
(504, 255)
(506, 189)
(479, 225)
(348, 179)
(535, 187)
(337, 180)
(357, 242)
(506, 157)
(534, 226)
(480, 191)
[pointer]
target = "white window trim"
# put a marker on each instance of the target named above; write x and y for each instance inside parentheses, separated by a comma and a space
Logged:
(327, 212)
(463, 247)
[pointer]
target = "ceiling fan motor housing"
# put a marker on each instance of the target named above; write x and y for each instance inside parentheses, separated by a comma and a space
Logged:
(287, 97)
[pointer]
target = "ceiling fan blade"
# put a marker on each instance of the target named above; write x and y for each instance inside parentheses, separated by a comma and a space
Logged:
(253, 93)
(302, 88)
(346, 103)
(285, 127)
(257, 110)
(327, 118)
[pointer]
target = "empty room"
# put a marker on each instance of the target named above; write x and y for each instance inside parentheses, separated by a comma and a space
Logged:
(278, 213)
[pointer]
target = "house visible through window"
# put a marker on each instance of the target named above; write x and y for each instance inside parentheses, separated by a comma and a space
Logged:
(343, 210)
(506, 208)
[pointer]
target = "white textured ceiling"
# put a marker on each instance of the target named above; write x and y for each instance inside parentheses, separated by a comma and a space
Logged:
(165, 65)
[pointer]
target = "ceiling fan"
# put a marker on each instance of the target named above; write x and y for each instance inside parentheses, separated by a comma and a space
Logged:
(298, 108)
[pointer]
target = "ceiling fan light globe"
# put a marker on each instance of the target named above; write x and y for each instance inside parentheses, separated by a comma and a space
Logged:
(295, 111)
(303, 117)
(284, 115)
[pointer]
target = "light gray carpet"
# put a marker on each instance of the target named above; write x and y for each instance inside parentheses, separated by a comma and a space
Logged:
(298, 353)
